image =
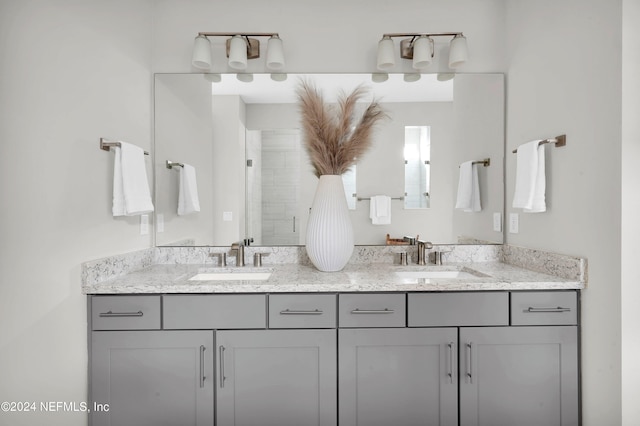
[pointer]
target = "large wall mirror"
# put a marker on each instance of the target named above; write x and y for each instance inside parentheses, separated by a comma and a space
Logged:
(242, 135)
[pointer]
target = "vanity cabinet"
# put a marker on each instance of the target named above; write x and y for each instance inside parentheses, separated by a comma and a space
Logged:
(276, 377)
(368, 359)
(525, 376)
(398, 376)
(152, 378)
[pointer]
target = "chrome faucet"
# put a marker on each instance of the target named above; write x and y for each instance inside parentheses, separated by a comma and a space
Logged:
(238, 248)
(423, 246)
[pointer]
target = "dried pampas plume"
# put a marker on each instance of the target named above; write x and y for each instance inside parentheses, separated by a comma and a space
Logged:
(332, 140)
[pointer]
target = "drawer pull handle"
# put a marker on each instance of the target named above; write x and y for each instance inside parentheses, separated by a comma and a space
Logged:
(533, 310)
(372, 311)
(222, 378)
(450, 347)
(290, 312)
(120, 314)
(469, 361)
(202, 376)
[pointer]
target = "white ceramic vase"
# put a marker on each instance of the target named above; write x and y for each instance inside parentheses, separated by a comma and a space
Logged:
(329, 231)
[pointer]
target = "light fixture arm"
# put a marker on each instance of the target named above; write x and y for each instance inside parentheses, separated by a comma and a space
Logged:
(414, 35)
(214, 34)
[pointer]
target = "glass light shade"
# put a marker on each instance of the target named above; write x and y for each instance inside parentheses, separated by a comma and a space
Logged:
(379, 77)
(245, 78)
(278, 76)
(201, 53)
(386, 56)
(411, 77)
(238, 53)
(458, 54)
(275, 53)
(422, 52)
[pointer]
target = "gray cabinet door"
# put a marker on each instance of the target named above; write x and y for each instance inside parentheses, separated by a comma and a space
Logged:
(399, 377)
(152, 378)
(519, 376)
(276, 378)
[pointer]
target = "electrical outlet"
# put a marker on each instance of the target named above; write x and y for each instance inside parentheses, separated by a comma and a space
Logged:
(160, 222)
(227, 216)
(513, 223)
(144, 224)
(497, 222)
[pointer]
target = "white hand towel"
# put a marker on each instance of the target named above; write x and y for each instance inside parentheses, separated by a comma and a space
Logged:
(468, 188)
(380, 210)
(530, 188)
(131, 194)
(188, 201)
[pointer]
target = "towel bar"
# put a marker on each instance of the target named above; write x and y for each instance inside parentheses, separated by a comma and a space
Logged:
(105, 145)
(558, 141)
(172, 164)
(369, 198)
(486, 162)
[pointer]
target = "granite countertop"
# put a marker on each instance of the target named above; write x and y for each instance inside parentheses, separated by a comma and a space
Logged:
(287, 278)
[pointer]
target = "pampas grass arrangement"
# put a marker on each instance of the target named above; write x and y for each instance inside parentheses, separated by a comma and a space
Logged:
(334, 137)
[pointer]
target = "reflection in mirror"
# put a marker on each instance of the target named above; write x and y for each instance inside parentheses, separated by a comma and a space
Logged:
(219, 127)
(417, 164)
(273, 186)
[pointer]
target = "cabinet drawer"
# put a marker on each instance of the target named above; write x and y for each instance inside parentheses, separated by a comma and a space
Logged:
(372, 310)
(125, 312)
(544, 308)
(214, 311)
(302, 311)
(458, 309)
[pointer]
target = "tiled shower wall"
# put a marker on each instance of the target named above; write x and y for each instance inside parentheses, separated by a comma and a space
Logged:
(280, 186)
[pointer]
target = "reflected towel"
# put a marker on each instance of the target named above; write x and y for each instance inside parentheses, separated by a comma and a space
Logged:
(530, 188)
(380, 210)
(188, 201)
(468, 188)
(131, 195)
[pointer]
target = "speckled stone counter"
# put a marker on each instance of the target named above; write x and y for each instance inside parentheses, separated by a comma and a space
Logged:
(302, 277)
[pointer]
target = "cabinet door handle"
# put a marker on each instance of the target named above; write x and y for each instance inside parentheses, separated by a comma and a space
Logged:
(120, 314)
(469, 362)
(294, 224)
(222, 378)
(533, 310)
(451, 348)
(301, 312)
(202, 376)
(372, 311)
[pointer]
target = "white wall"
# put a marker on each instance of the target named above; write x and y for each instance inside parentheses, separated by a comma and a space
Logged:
(89, 75)
(72, 71)
(183, 133)
(630, 209)
(564, 76)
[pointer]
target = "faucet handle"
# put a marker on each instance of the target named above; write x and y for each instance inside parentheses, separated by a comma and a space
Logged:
(222, 258)
(257, 258)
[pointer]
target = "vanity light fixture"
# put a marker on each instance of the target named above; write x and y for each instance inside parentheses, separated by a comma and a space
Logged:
(420, 49)
(240, 48)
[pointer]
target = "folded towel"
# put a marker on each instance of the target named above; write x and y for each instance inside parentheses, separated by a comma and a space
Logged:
(530, 178)
(131, 194)
(380, 210)
(468, 188)
(188, 201)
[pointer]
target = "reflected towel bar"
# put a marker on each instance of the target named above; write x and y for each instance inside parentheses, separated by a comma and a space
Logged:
(486, 162)
(558, 141)
(172, 164)
(369, 198)
(106, 145)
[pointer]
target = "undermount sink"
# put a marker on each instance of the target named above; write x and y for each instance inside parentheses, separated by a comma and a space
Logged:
(451, 274)
(231, 276)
